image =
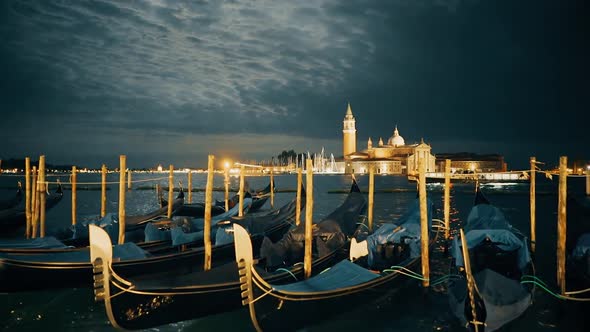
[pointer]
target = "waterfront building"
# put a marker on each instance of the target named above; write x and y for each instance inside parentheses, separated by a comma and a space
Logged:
(466, 162)
(393, 157)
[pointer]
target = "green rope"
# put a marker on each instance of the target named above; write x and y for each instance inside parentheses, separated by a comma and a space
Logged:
(362, 224)
(444, 278)
(542, 287)
(527, 276)
(405, 271)
(285, 270)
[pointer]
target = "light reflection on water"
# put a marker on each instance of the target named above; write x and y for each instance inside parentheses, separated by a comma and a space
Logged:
(409, 308)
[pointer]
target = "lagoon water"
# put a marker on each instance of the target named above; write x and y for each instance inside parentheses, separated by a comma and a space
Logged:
(408, 308)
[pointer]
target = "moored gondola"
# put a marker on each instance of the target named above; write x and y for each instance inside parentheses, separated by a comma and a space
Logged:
(498, 257)
(152, 300)
(376, 267)
(578, 247)
(13, 201)
(197, 210)
(14, 218)
(31, 269)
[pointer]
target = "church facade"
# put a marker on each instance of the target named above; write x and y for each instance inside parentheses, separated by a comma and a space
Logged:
(393, 157)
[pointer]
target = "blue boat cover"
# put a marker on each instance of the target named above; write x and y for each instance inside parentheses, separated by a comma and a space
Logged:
(126, 251)
(109, 223)
(486, 221)
(582, 246)
(409, 231)
(342, 275)
(223, 237)
(198, 224)
(48, 242)
(184, 230)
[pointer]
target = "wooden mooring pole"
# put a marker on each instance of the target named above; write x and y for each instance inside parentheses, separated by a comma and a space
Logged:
(34, 204)
(561, 224)
(42, 197)
(159, 194)
(471, 286)
(272, 188)
(226, 185)
(190, 186)
(122, 171)
(533, 203)
(298, 202)
(129, 179)
(73, 181)
(208, 202)
(28, 197)
(423, 222)
(588, 180)
(241, 203)
(103, 191)
(371, 197)
(308, 219)
(447, 199)
(170, 191)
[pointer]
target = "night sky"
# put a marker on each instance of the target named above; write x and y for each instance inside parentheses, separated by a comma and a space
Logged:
(167, 81)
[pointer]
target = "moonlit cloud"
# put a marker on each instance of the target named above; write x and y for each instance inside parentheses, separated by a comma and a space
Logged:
(108, 77)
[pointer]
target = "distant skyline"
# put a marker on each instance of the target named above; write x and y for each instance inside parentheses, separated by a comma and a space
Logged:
(169, 82)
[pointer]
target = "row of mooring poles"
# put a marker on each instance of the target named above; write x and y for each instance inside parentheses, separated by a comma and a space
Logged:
(35, 195)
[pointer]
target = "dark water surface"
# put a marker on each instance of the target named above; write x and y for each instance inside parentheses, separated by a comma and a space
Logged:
(408, 308)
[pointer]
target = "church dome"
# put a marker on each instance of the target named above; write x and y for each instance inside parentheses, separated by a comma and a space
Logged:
(396, 139)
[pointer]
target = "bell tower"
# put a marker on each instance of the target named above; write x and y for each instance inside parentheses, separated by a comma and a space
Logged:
(349, 133)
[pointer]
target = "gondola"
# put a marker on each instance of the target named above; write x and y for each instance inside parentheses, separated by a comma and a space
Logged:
(15, 218)
(182, 230)
(77, 235)
(499, 256)
(374, 267)
(153, 300)
(197, 210)
(134, 225)
(13, 201)
(32, 269)
(259, 198)
(578, 245)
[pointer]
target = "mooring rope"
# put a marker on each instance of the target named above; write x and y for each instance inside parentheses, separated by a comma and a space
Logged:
(538, 282)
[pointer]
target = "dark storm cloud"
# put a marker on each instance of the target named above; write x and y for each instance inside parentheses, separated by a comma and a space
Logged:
(492, 76)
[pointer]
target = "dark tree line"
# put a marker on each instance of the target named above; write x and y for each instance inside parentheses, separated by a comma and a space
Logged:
(286, 156)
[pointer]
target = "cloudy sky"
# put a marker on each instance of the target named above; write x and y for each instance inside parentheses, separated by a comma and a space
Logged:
(168, 81)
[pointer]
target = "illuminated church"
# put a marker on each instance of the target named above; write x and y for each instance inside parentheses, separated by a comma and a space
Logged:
(395, 157)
